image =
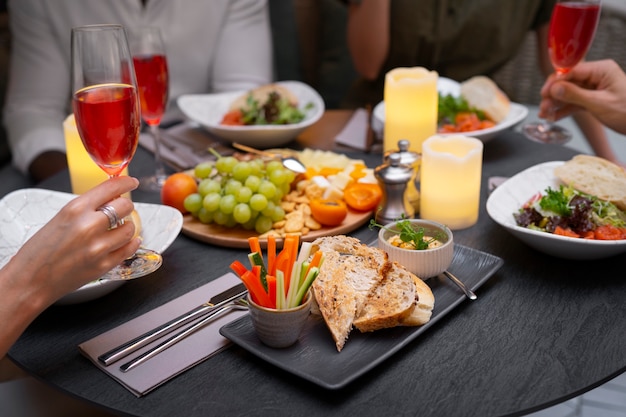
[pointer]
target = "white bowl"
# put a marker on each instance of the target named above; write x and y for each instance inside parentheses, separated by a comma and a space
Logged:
(209, 109)
(24, 212)
(517, 113)
(509, 197)
(425, 263)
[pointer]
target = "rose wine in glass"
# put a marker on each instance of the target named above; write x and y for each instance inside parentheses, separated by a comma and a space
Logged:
(106, 108)
(150, 64)
(572, 28)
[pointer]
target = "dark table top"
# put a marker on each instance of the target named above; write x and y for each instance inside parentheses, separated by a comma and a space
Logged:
(543, 330)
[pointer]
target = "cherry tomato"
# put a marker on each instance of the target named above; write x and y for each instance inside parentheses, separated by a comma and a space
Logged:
(328, 212)
(362, 196)
(176, 188)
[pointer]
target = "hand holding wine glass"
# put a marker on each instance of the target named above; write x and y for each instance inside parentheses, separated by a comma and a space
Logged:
(572, 28)
(151, 70)
(106, 108)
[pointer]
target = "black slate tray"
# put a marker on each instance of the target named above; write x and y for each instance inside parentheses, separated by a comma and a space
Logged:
(315, 358)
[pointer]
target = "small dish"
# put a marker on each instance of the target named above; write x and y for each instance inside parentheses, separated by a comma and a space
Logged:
(509, 197)
(517, 113)
(24, 212)
(279, 328)
(425, 263)
(208, 110)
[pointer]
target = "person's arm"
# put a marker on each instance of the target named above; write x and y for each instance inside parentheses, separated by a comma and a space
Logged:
(598, 87)
(38, 90)
(589, 125)
(243, 56)
(73, 248)
(368, 36)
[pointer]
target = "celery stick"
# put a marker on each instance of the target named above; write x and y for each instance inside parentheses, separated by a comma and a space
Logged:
(310, 277)
(280, 290)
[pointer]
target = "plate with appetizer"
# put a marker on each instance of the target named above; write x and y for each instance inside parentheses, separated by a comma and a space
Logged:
(235, 197)
(365, 309)
(476, 107)
(268, 116)
(572, 209)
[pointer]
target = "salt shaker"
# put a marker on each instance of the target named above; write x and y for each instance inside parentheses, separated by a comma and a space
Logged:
(393, 177)
(414, 160)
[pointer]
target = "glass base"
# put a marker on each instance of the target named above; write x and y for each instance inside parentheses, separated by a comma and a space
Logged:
(152, 183)
(142, 263)
(547, 133)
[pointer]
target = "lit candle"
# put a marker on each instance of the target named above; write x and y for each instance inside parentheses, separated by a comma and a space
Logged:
(450, 180)
(84, 172)
(411, 101)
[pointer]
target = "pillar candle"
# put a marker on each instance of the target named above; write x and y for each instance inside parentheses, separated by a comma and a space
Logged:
(450, 180)
(411, 101)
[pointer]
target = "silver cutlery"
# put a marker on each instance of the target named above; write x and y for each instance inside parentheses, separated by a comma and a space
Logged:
(238, 304)
(215, 303)
(469, 293)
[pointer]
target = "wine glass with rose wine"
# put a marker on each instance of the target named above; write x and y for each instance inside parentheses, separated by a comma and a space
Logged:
(572, 28)
(106, 108)
(150, 63)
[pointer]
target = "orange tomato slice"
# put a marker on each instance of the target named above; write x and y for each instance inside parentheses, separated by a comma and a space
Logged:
(328, 212)
(362, 196)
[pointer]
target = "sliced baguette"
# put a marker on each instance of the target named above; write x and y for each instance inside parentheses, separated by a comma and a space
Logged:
(482, 93)
(595, 176)
(390, 303)
(261, 95)
(425, 303)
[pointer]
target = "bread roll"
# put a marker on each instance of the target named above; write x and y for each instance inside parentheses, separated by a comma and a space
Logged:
(595, 176)
(482, 93)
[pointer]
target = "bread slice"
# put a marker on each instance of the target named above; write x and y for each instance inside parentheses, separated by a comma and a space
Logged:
(595, 176)
(349, 273)
(482, 93)
(390, 303)
(425, 303)
(261, 95)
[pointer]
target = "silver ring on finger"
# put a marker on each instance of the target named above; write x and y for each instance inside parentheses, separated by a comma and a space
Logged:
(111, 214)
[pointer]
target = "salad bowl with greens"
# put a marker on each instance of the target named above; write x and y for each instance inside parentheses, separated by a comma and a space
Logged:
(534, 203)
(208, 110)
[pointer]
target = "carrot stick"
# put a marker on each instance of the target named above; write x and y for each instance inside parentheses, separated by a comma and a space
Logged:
(253, 284)
(271, 286)
(255, 245)
(271, 255)
(315, 261)
(238, 268)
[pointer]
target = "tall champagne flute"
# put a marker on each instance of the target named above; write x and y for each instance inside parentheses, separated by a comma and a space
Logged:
(572, 28)
(106, 108)
(150, 63)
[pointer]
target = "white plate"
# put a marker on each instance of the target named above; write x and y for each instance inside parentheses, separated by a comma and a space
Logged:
(514, 192)
(445, 86)
(24, 212)
(209, 109)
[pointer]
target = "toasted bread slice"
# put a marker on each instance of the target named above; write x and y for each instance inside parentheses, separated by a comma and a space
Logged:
(349, 273)
(261, 95)
(595, 176)
(390, 303)
(425, 303)
(482, 93)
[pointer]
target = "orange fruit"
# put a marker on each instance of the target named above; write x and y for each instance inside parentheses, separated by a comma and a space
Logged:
(176, 188)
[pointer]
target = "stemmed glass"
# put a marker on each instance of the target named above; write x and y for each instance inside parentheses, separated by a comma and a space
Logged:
(106, 108)
(150, 63)
(572, 28)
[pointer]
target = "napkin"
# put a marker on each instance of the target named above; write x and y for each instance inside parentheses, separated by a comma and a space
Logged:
(354, 133)
(187, 353)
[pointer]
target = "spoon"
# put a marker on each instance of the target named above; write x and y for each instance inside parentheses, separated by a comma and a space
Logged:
(289, 162)
(469, 293)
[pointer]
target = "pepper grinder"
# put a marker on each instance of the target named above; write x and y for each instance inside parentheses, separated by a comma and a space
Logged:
(393, 177)
(414, 160)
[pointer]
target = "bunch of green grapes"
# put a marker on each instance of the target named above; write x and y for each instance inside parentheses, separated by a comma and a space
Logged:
(240, 193)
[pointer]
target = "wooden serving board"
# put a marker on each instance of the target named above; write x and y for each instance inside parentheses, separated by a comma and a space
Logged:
(238, 237)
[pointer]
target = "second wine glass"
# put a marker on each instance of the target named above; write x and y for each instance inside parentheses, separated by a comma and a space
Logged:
(572, 28)
(150, 63)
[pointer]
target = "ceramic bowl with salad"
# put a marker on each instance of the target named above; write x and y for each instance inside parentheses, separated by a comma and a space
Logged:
(273, 123)
(549, 216)
(451, 103)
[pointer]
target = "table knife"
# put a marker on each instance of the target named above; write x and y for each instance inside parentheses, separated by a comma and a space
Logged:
(131, 346)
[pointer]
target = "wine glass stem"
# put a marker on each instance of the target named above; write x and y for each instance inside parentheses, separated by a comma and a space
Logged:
(160, 169)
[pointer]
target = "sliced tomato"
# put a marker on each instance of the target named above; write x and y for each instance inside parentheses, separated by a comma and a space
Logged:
(328, 212)
(362, 196)
(608, 232)
(233, 118)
